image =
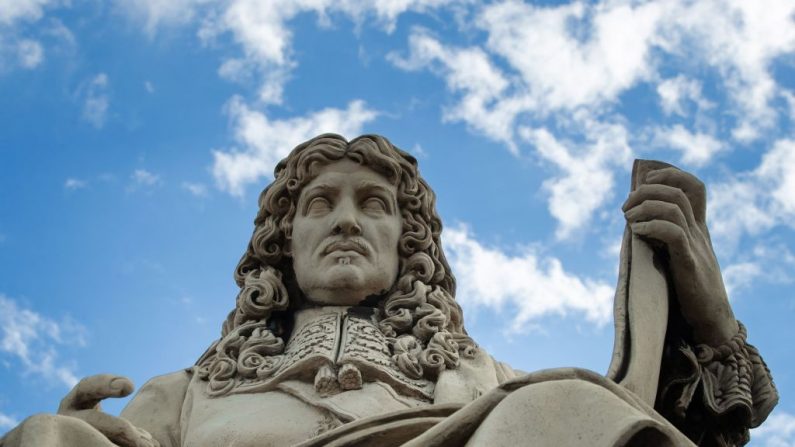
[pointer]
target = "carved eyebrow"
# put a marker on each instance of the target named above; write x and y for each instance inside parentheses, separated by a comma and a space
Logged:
(322, 187)
(372, 186)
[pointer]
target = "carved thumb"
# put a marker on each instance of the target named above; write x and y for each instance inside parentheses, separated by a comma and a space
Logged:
(91, 390)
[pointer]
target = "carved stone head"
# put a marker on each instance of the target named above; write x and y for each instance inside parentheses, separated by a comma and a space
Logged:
(347, 223)
(344, 241)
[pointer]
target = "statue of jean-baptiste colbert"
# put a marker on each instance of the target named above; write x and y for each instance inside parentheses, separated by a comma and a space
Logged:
(346, 333)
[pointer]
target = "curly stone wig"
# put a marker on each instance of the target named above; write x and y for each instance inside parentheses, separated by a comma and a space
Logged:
(418, 315)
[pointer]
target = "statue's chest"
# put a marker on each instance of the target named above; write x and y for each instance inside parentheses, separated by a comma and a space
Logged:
(335, 350)
(253, 420)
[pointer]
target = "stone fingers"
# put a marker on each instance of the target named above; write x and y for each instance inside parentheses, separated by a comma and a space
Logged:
(650, 210)
(91, 390)
(662, 193)
(693, 188)
(670, 234)
(118, 430)
(661, 221)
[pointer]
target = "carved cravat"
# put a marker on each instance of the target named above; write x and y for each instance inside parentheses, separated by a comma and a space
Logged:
(331, 339)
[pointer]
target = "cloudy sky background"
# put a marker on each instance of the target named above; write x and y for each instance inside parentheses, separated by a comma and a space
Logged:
(135, 136)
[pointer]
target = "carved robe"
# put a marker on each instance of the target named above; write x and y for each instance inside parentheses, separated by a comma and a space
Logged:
(553, 407)
(708, 395)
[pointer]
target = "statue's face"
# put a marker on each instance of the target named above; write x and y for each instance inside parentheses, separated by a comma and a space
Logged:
(345, 235)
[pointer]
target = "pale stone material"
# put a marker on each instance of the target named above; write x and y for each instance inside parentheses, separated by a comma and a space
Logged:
(346, 333)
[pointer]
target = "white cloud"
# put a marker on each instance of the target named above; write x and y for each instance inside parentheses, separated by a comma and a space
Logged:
(261, 29)
(264, 141)
(741, 39)
(740, 275)
(574, 54)
(95, 100)
(12, 11)
(777, 431)
(30, 52)
(157, 13)
(561, 69)
(72, 184)
(535, 286)
(541, 65)
(32, 339)
(777, 171)
(7, 422)
(144, 178)
(674, 93)
(755, 201)
(15, 48)
(56, 29)
(149, 87)
(470, 71)
(586, 169)
(197, 189)
(769, 261)
(697, 148)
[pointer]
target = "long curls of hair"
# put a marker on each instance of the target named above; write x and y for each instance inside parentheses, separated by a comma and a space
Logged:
(418, 315)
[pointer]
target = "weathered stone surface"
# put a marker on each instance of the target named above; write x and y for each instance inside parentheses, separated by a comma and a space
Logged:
(346, 333)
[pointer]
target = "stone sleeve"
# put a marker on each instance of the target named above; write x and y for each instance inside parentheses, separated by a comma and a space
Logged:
(157, 408)
(715, 395)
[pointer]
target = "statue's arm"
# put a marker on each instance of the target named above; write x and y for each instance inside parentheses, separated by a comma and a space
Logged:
(713, 385)
(715, 394)
(80, 420)
(157, 408)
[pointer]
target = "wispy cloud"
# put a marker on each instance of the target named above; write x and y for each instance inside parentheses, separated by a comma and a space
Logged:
(22, 10)
(197, 189)
(777, 431)
(32, 340)
(95, 100)
(675, 93)
(740, 275)
(141, 179)
(757, 200)
(72, 184)
(534, 285)
(157, 13)
(586, 169)
(262, 31)
(471, 72)
(30, 53)
(17, 48)
(697, 148)
(264, 141)
(769, 261)
(540, 65)
(7, 422)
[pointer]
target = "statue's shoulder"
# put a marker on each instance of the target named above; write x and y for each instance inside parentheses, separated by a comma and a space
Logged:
(157, 407)
(473, 377)
(163, 389)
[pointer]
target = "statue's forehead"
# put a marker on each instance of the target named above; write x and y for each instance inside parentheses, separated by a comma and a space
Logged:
(351, 172)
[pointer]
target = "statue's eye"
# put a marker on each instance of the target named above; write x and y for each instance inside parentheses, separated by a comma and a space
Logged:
(318, 205)
(375, 205)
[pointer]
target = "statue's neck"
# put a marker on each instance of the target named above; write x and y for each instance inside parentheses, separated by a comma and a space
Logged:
(305, 316)
(337, 336)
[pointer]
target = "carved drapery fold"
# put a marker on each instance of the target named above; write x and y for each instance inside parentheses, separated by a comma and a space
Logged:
(716, 394)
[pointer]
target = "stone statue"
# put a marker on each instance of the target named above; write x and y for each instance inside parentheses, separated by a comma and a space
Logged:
(346, 333)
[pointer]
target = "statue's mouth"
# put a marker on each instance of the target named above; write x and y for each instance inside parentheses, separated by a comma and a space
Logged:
(356, 245)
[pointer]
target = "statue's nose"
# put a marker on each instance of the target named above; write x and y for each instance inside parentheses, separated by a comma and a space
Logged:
(346, 221)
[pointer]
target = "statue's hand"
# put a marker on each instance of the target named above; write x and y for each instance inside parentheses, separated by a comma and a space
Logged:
(670, 208)
(83, 403)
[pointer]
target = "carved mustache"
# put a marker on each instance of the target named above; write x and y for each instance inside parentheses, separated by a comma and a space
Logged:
(356, 244)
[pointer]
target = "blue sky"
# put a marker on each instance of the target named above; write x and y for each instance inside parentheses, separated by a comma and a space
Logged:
(137, 134)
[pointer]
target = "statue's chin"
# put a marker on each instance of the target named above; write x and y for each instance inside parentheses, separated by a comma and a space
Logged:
(342, 286)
